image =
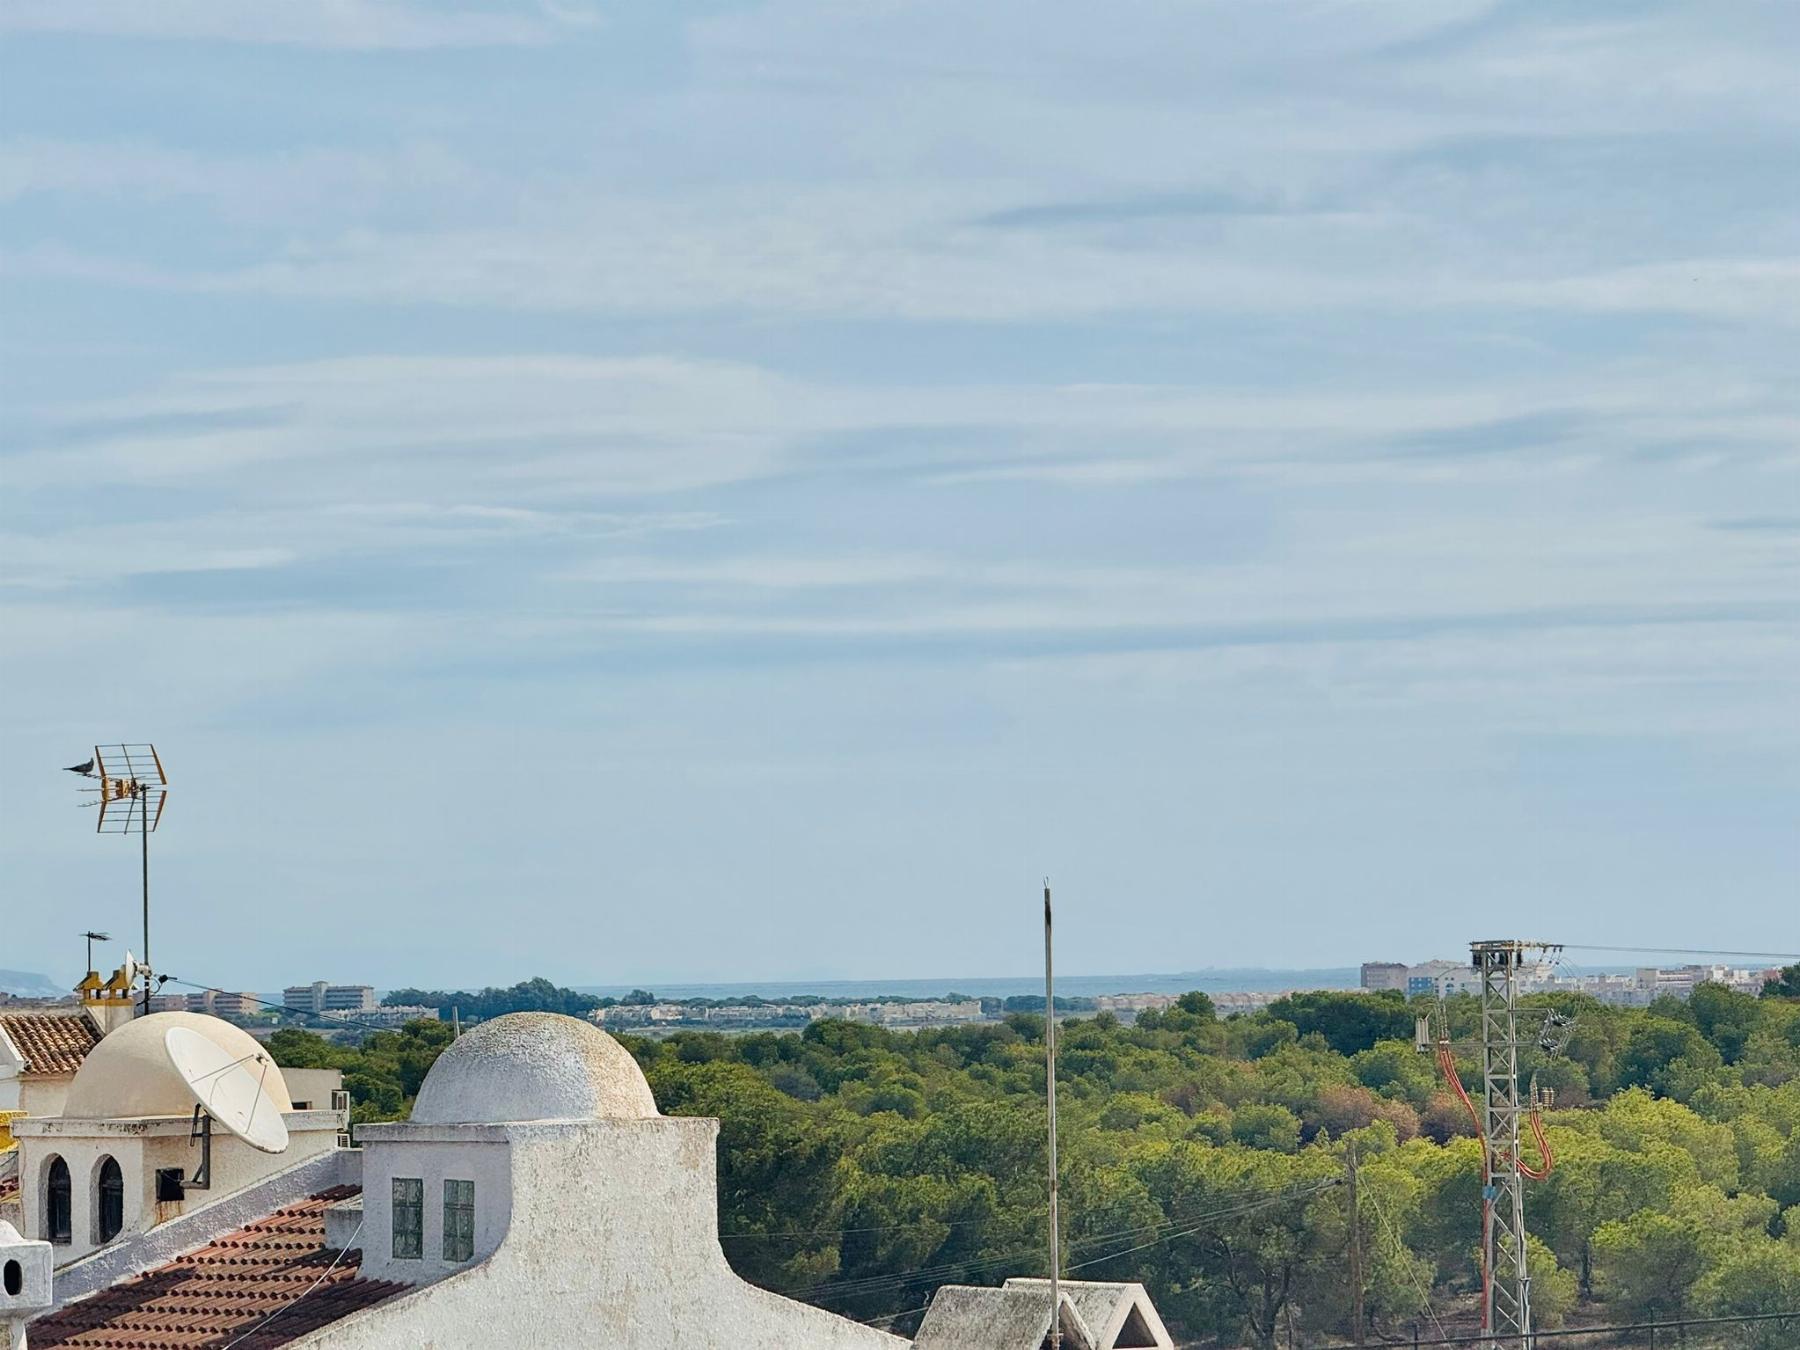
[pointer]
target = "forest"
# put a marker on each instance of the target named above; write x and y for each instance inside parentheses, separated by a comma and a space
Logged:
(1210, 1158)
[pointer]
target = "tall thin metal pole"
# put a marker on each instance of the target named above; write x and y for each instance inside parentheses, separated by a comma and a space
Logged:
(1357, 1319)
(1050, 1081)
(144, 829)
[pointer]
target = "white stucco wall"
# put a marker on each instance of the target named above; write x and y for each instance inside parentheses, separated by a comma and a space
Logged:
(141, 1147)
(434, 1154)
(43, 1094)
(34, 1094)
(613, 1241)
(313, 1087)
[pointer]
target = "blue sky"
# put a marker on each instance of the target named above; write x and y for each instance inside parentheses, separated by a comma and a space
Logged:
(741, 490)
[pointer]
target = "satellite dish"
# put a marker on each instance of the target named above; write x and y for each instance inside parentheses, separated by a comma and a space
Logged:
(230, 1090)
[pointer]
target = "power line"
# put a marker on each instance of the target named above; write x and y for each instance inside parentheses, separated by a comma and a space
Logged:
(1393, 1233)
(870, 1283)
(1680, 951)
(1183, 1226)
(1562, 1333)
(878, 1228)
(895, 1317)
(348, 1246)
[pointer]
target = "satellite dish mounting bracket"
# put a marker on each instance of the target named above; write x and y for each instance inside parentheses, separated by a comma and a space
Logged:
(201, 1130)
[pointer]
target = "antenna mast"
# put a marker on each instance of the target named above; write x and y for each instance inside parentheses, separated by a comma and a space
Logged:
(132, 791)
(1050, 1081)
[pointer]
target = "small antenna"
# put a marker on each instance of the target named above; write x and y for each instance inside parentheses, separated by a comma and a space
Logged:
(93, 937)
(1050, 1085)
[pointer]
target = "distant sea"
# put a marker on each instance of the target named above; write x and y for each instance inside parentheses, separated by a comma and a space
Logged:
(1004, 986)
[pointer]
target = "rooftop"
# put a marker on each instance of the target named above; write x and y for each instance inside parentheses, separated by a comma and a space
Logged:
(229, 1291)
(49, 1043)
(130, 1075)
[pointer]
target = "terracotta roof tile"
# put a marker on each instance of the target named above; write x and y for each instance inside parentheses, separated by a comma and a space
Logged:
(223, 1292)
(48, 1042)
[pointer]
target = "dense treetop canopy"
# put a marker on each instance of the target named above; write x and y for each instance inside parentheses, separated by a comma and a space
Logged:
(860, 1167)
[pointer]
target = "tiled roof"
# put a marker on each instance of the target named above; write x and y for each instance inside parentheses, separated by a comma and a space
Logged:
(225, 1294)
(49, 1043)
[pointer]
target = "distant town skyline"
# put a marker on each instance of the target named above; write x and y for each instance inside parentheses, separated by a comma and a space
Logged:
(742, 494)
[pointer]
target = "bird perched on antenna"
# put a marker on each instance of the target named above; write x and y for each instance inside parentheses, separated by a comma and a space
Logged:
(87, 768)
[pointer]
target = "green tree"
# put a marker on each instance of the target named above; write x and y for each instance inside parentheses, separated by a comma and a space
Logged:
(1725, 1017)
(1784, 985)
(1762, 1276)
(1348, 1022)
(1648, 1265)
(1656, 1045)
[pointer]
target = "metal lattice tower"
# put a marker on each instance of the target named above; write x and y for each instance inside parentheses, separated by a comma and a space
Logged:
(1506, 1298)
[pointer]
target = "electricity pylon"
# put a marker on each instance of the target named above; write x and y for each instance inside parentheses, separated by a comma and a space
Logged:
(1506, 1292)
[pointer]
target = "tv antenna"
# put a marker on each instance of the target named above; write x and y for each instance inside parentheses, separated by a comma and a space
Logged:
(131, 794)
(93, 937)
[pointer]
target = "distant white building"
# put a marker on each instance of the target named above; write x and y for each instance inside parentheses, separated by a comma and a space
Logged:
(1442, 978)
(396, 1015)
(321, 997)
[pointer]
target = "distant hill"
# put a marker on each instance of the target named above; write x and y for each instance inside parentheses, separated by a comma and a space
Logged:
(30, 984)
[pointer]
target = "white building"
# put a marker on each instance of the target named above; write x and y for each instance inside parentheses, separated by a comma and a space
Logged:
(118, 1159)
(535, 1197)
(321, 996)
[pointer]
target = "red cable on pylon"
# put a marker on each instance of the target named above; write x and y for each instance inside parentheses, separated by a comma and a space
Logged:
(1447, 1063)
(1543, 1146)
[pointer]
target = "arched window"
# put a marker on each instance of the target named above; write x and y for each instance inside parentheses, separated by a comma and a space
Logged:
(57, 1210)
(112, 1201)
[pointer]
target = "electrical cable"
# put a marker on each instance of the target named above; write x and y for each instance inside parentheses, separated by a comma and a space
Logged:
(895, 1317)
(326, 1018)
(1679, 951)
(1393, 1233)
(953, 1266)
(878, 1284)
(349, 1245)
(839, 1232)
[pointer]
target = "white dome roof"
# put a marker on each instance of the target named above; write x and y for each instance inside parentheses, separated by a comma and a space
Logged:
(533, 1066)
(129, 1073)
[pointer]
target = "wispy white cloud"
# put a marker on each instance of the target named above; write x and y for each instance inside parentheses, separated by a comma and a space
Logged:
(351, 25)
(1207, 416)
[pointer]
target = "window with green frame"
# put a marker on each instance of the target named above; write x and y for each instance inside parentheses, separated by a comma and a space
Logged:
(459, 1220)
(409, 1218)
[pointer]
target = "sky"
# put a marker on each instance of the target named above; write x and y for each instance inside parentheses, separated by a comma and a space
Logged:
(744, 490)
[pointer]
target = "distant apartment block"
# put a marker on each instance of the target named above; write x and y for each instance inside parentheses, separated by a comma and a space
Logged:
(1441, 978)
(743, 1016)
(322, 997)
(1127, 1006)
(396, 1016)
(218, 1002)
(1379, 975)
